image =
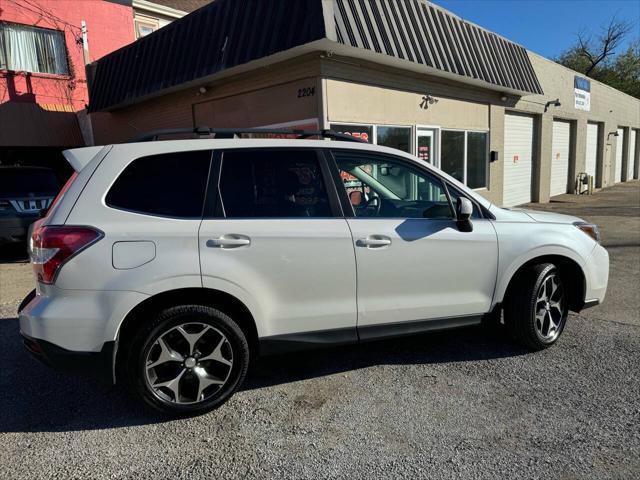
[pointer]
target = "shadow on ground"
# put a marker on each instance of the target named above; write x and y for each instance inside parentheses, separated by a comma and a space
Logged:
(34, 397)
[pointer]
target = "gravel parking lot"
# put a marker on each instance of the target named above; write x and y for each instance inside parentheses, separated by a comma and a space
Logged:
(461, 404)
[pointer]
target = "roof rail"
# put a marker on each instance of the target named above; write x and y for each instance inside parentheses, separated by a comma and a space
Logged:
(236, 132)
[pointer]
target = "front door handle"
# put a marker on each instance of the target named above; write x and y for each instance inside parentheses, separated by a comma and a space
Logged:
(229, 241)
(374, 241)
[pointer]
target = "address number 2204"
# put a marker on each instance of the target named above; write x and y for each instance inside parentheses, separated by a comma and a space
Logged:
(306, 92)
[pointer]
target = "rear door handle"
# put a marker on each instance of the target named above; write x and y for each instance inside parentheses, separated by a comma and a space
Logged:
(229, 241)
(374, 241)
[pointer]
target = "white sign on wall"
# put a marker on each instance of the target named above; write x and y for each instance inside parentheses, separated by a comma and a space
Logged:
(582, 93)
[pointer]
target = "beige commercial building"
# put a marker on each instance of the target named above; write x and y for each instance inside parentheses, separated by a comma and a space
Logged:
(511, 124)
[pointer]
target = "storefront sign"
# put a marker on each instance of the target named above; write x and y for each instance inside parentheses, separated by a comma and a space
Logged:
(582, 93)
(363, 132)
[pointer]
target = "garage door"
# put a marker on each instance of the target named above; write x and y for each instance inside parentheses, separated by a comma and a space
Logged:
(632, 153)
(518, 159)
(560, 157)
(618, 166)
(592, 150)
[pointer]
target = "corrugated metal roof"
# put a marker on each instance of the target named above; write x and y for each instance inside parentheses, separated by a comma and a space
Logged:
(218, 36)
(422, 33)
(184, 5)
(228, 33)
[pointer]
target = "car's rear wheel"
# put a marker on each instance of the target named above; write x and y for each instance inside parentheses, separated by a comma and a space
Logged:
(536, 308)
(189, 360)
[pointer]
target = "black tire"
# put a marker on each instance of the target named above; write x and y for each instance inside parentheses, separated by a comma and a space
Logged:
(231, 338)
(523, 305)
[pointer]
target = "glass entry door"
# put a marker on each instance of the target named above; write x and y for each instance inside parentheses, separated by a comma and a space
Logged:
(427, 145)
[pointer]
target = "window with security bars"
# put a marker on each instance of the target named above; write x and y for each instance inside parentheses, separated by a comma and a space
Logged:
(32, 49)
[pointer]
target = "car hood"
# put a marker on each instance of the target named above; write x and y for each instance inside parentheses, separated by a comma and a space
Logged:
(550, 217)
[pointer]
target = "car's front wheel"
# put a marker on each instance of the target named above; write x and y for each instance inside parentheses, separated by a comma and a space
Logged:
(190, 359)
(536, 307)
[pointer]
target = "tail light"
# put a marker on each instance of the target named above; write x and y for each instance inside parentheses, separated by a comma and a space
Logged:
(53, 246)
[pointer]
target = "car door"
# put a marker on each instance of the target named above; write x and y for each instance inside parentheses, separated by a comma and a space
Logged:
(276, 238)
(416, 269)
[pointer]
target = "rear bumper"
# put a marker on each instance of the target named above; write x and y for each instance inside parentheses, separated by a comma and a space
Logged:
(75, 330)
(95, 364)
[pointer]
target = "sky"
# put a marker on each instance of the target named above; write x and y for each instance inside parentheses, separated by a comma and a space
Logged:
(546, 27)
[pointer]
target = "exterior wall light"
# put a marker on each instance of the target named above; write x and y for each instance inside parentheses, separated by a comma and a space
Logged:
(615, 134)
(555, 103)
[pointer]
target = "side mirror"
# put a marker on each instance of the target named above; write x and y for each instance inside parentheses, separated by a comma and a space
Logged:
(464, 210)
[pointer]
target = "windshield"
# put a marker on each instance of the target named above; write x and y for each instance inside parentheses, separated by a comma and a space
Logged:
(28, 180)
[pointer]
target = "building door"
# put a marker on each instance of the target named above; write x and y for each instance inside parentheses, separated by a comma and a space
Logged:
(618, 164)
(606, 168)
(632, 154)
(427, 145)
(592, 150)
(560, 157)
(518, 158)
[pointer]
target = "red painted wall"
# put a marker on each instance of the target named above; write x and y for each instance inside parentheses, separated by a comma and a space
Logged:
(109, 27)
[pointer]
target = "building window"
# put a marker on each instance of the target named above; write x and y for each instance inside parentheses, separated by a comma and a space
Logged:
(363, 132)
(394, 137)
(145, 26)
(32, 49)
(465, 156)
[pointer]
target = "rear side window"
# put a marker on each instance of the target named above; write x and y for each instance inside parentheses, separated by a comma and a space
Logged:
(168, 185)
(272, 183)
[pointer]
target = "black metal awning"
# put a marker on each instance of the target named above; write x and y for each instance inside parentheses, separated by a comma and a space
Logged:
(420, 32)
(230, 33)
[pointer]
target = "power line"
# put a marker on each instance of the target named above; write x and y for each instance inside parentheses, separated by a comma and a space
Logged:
(46, 15)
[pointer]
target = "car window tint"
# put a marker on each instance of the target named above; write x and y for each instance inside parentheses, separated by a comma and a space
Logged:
(380, 186)
(272, 183)
(170, 185)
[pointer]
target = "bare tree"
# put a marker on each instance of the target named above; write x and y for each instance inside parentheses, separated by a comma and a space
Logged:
(604, 46)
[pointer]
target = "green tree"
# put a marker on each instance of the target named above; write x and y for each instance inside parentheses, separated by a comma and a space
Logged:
(598, 57)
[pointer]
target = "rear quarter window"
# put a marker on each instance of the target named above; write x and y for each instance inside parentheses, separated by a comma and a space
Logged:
(167, 185)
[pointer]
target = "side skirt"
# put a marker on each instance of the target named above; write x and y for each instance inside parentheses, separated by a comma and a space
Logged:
(292, 342)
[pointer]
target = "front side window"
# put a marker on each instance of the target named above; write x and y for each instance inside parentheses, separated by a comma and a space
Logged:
(464, 156)
(167, 185)
(272, 184)
(32, 49)
(380, 186)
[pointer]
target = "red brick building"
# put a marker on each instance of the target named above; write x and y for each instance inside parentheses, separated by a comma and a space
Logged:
(43, 86)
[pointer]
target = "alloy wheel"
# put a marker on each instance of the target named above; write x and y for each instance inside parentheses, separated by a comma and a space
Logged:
(550, 309)
(189, 363)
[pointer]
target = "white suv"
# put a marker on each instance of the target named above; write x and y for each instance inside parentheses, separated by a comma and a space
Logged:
(169, 265)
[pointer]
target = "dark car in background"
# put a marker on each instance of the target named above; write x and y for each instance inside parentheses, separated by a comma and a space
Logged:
(24, 193)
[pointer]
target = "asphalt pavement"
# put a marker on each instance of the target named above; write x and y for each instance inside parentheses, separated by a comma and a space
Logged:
(459, 404)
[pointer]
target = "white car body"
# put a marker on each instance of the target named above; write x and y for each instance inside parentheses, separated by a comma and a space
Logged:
(298, 277)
